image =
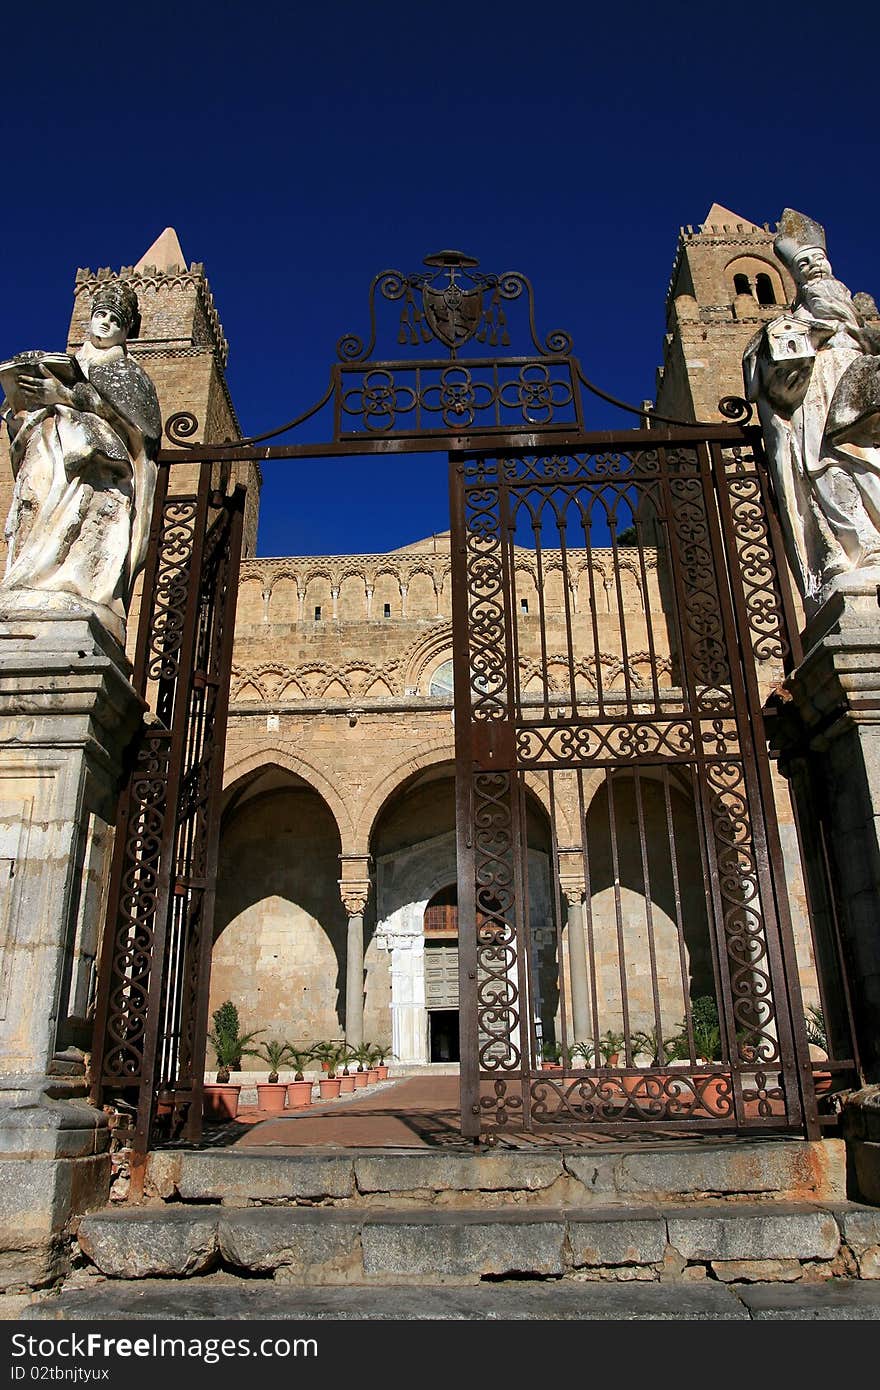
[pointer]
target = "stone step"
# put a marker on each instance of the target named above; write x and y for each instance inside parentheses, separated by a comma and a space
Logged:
(225, 1297)
(607, 1174)
(728, 1241)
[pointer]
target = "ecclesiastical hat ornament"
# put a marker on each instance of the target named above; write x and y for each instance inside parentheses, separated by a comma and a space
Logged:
(796, 233)
(119, 297)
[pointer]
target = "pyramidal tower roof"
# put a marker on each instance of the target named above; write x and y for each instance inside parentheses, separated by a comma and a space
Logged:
(718, 217)
(165, 253)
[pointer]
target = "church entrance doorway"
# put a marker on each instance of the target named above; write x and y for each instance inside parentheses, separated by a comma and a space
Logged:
(629, 708)
(443, 1027)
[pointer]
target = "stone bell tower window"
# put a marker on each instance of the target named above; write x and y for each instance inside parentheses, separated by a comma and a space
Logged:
(764, 289)
(742, 284)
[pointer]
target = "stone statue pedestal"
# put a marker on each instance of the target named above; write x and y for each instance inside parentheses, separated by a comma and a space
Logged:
(67, 714)
(827, 736)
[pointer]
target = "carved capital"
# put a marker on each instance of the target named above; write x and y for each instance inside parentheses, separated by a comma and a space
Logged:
(354, 896)
(573, 888)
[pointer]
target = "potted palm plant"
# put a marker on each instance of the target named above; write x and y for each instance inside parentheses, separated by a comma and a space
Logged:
(361, 1054)
(230, 1046)
(551, 1055)
(712, 1091)
(329, 1085)
(383, 1052)
(271, 1094)
(372, 1066)
(611, 1045)
(299, 1091)
(347, 1076)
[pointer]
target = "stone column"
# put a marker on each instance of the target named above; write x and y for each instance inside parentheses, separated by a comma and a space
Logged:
(827, 712)
(354, 889)
(67, 714)
(573, 891)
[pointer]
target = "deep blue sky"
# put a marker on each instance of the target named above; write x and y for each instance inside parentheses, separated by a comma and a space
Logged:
(300, 149)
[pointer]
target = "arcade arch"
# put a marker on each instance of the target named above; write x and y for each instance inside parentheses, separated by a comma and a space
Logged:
(413, 850)
(280, 927)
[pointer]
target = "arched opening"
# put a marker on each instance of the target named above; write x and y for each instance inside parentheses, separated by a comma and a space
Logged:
(648, 944)
(757, 278)
(764, 289)
(280, 927)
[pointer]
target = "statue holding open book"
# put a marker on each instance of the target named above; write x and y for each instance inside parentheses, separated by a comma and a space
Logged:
(84, 432)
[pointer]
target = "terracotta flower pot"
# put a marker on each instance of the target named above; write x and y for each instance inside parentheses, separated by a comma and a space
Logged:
(329, 1086)
(360, 1079)
(346, 1084)
(221, 1100)
(372, 1076)
(383, 1072)
(551, 1066)
(271, 1096)
(299, 1093)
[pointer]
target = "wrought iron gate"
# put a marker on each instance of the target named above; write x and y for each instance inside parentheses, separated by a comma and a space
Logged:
(151, 1013)
(635, 723)
(633, 959)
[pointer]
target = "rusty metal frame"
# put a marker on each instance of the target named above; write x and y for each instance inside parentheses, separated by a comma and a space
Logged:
(727, 609)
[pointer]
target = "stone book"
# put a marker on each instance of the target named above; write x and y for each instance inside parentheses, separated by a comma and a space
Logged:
(59, 365)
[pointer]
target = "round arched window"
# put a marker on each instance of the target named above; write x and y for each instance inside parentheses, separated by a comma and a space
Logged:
(441, 681)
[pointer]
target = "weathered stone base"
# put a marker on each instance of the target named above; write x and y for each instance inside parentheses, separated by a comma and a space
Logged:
(54, 1164)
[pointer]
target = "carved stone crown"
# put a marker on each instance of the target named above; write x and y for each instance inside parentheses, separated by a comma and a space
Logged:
(119, 297)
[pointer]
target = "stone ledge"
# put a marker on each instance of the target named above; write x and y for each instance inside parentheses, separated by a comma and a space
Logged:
(332, 1245)
(754, 1233)
(791, 1170)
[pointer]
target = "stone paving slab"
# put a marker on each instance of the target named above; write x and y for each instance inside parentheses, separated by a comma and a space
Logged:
(142, 1241)
(712, 1231)
(832, 1299)
(526, 1299)
(232, 1175)
(445, 1172)
(227, 1299)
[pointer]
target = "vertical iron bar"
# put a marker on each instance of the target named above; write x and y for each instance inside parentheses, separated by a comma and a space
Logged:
(649, 910)
(464, 808)
(588, 909)
(618, 909)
